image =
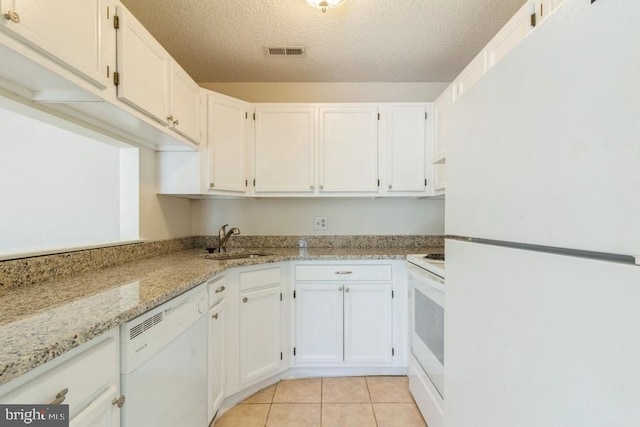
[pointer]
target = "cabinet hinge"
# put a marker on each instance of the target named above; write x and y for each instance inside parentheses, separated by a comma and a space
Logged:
(393, 351)
(107, 12)
(246, 182)
(378, 116)
(116, 78)
(425, 182)
(393, 294)
(280, 296)
(378, 182)
(108, 72)
(426, 115)
(116, 22)
(280, 355)
(246, 115)
(294, 293)
(254, 116)
(534, 19)
(294, 351)
(254, 182)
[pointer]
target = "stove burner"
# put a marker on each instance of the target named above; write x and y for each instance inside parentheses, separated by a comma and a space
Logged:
(436, 257)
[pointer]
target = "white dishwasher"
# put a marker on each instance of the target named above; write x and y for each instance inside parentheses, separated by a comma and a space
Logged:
(164, 364)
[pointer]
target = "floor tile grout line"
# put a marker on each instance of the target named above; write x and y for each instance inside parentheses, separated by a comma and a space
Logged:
(375, 419)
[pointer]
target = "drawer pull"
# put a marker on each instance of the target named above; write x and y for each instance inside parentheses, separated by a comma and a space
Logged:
(118, 401)
(62, 394)
(220, 289)
(215, 316)
(344, 272)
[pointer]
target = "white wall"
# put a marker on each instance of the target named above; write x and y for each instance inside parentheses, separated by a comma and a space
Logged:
(161, 217)
(330, 92)
(345, 216)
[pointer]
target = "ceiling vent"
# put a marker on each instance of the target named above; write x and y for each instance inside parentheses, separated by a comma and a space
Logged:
(285, 51)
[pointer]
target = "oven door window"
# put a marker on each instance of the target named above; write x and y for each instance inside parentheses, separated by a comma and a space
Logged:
(429, 324)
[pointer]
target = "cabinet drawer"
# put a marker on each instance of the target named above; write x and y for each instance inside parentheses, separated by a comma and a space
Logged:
(259, 278)
(216, 288)
(343, 273)
(85, 376)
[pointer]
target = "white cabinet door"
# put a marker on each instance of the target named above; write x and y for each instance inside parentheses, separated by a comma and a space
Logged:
(284, 149)
(143, 67)
(510, 35)
(226, 132)
(184, 101)
(100, 413)
(70, 32)
(259, 334)
(348, 149)
(216, 363)
(319, 323)
(404, 154)
(368, 323)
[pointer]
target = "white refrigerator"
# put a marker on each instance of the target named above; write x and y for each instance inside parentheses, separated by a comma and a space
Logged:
(542, 303)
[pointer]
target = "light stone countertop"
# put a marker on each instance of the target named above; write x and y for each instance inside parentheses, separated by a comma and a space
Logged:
(42, 321)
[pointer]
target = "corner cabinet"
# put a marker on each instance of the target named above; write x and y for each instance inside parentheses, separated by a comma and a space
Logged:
(284, 149)
(344, 315)
(74, 39)
(227, 131)
(254, 326)
(348, 139)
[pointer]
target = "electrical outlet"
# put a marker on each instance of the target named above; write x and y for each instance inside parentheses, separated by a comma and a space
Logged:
(320, 223)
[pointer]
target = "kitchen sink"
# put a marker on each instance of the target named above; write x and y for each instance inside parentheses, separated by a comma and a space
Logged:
(239, 255)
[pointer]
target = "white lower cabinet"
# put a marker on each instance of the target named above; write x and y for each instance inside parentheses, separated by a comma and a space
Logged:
(368, 321)
(86, 378)
(345, 320)
(216, 362)
(259, 333)
(319, 323)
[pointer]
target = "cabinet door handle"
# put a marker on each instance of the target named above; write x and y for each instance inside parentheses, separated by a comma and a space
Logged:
(12, 16)
(118, 401)
(344, 272)
(220, 289)
(62, 394)
(245, 299)
(170, 119)
(346, 289)
(176, 122)
(340, 289)
(215, 316)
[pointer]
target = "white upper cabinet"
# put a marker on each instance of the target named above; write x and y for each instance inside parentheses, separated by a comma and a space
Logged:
(284, 149)
(184, 101)
(227, 120)
(348, 138)
(403, 134)
(143, 67)
(70, 32)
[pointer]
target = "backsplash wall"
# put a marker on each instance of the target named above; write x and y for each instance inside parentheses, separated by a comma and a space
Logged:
(290, 216)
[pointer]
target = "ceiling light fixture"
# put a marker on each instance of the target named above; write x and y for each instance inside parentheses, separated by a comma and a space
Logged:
(323, 5)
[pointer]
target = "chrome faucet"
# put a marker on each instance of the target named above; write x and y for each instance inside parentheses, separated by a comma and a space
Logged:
(224, 236)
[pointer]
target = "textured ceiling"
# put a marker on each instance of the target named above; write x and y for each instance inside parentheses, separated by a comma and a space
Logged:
(361, 41)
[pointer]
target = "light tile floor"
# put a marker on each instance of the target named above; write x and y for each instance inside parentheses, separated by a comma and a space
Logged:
(328, 402)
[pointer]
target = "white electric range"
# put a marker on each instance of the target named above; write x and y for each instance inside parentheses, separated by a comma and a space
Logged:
(426, 322)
